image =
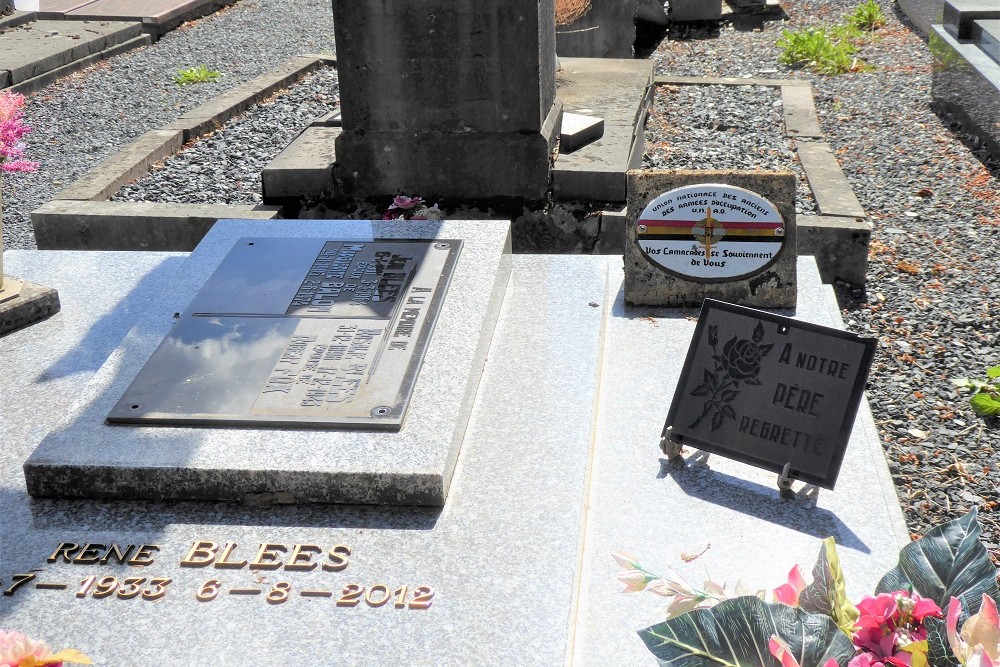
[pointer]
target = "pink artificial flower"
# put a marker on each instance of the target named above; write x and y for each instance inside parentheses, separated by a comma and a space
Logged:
(16, 648)
(404, 203)
(18, 165)
(890, 629)
(979, 642)
(10, 104)
(780, 650)
(875, 612)
(12, 130)
(789, 593)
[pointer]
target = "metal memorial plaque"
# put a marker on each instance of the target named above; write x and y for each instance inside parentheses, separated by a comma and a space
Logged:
(769, 391)
(710, 232)
(299, 332)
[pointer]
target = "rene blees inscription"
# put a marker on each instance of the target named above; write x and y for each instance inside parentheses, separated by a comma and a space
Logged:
(299, 332)
(242, 563)
(770, 391)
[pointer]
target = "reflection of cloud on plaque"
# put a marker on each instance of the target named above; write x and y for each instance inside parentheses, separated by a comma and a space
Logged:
(216, 362)
(234, 346)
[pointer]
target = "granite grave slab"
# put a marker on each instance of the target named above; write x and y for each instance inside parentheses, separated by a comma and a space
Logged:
(86, 457)
(560, 466)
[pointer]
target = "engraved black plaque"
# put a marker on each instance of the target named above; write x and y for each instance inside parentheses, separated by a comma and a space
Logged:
(299, 332)
(770, 390)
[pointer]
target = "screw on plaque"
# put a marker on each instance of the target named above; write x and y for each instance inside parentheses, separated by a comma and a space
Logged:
(381, 411)
(442, 246)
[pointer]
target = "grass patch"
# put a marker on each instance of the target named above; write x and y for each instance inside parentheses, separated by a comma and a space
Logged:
(816, 49)
(867, 17)
(831, 50)
(196, 74)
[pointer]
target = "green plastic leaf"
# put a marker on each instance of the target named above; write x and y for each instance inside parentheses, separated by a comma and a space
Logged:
(735, 633)
(993, 373)
(949, 561)
(938, 650)
(826, 594)
(985, 404)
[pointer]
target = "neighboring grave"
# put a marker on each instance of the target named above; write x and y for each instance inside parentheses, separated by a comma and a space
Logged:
(966, 78)
(725, 235)
(446, 98)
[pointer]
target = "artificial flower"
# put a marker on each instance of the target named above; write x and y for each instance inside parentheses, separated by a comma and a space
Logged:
(405, 203)
(780, 650)
(12, 130)
(635, 580)
(979, 642)
(789, 593)
(890, 630)
(17, 650)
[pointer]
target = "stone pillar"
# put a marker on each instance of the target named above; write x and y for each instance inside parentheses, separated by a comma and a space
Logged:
(446, 98)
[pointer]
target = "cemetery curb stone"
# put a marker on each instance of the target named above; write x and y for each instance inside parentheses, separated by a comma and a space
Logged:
(800, 112)
(38, 82)
(214, 113)
(103, 225)
(37, 47)
(830, 187)
(839, 244)
(126, 165)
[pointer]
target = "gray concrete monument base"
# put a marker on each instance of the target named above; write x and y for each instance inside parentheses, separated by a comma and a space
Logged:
(560, 466)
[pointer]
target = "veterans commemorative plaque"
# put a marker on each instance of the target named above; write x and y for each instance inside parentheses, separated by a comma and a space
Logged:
(769, 391)
(299, 332)
(710, 232)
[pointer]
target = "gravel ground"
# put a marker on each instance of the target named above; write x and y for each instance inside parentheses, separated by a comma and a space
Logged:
(225, 167)
(722, 127)
(932, 298)
(82, 119)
